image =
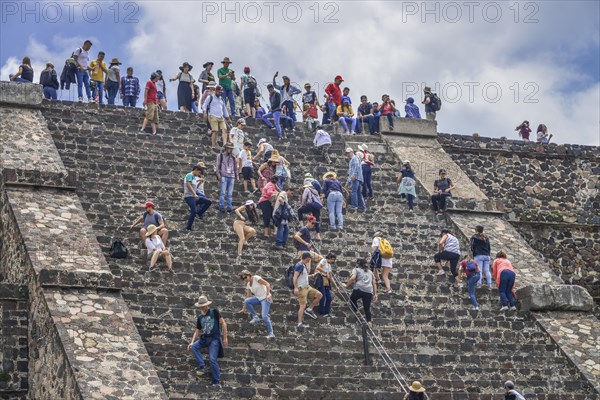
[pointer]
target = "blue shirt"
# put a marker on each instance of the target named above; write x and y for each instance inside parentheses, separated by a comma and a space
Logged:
(412, 111)
(355, 170)
(286, 95)
(331, 185)
(130, 86)
(407, 174)
(364, 109)
(305, 235)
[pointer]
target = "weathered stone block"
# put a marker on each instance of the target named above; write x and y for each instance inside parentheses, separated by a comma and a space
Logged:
(555, 298)
(20, 93)
(409, 126)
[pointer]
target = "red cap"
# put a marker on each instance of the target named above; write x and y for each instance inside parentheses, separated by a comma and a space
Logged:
(339, 78)
(311, 218)
(149, 204)
(246, 69)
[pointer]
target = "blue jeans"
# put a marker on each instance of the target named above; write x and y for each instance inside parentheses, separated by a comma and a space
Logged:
(390, 118)
(369, 120)
(325, 303)
(356, 198)
(287, 122)
(83, 78)
(21, 80)
(507, 281)
(197, 207)
(194, 107)
(376, 123)
(112, 88)
(250, 302)
(50, 93)
(484, 265)
(344, 121)
(228, 96)
(335, 200)
(276, 115)
(99, 90)
(226, 189)
(213, 344)
(472, 284)
(283, 231)
(289, 110)
(129, 101)
(367, 188)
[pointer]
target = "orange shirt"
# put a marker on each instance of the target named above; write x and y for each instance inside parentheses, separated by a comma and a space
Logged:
(499, 265)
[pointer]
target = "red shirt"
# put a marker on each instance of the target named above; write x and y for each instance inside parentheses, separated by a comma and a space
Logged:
(463, 264)
(335, 91)
(151, 97)
(386, 109)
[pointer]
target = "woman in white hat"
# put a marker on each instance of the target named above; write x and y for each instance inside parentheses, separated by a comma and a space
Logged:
(156, 248)
(407, 183)
(185, 89)
(416, 392)
(244, 215)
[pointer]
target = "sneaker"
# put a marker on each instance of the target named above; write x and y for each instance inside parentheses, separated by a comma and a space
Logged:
(271, 336)
(221, 210)
(81, 99)
(513, 308)
(255, 320)
(441, 272)
(352, 133)
(91, 100)
(504, 308)
(475, 308)
(254, 190)
(200, 372)
(402, 199)
(388, 291)
(310, 313)
(301, 326)
(216, 386)
(410, 210)
(326, 315)
(246, 192)
(229, 210)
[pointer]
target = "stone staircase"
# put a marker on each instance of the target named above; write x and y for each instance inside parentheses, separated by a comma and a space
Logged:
(426, 324)
(13, 341)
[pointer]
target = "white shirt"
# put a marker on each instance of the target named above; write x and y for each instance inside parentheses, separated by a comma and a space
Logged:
(153, 243)
(258, 290)
(325, 266)
(246, 159)
(217, 106)
(385, 262)
(160, 85)
(83, 57)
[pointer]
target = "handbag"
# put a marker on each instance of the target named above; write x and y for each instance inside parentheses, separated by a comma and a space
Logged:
(318, 282)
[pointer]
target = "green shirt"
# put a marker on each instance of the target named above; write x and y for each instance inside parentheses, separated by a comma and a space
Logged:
(225, 82)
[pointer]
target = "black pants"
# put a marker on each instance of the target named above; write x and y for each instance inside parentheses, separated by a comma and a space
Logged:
(267, 212)
(452, 257)
(439, 202)
(316, 212)
(366, 300)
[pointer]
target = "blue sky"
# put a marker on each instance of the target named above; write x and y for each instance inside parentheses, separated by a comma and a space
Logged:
(494, 64)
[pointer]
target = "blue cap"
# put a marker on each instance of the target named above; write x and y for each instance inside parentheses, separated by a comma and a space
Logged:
(346, 99)
(410, 100)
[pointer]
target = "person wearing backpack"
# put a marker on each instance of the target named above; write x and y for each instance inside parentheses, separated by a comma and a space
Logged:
(281, 218)
(311, 203)
(151, 216)
(365, 287)
(381, 248)
(215, 111)
(432, 103)
(470, 268)
(49, 81)
(303, 290)
(510, 393)
(249, 86)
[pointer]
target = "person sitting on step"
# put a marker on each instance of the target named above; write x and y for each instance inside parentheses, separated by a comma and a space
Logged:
(150, 216)
(441, 188)
(346, 115)
(258, 292)
(156, 248)
(245, 215)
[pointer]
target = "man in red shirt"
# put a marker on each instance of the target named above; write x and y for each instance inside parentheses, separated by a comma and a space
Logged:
(151, 104)
(335, 93)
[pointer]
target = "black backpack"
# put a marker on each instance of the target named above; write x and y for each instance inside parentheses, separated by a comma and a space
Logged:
(118, 249)
(436, 102)
(289, 276)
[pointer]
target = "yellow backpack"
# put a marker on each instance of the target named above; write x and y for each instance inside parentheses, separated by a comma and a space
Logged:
(385, 249)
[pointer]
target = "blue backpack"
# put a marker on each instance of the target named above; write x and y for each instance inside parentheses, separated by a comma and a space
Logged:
(471, 266)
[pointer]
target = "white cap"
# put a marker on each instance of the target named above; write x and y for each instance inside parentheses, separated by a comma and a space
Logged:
(349, 150)
(261, 141)
(406, 162)
(363, 147)
(249, 203)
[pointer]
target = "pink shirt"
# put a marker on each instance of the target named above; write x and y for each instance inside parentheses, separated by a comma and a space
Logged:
(268, 192)
(501, 264)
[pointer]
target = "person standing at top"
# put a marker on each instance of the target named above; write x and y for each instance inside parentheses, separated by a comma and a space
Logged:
(411, 109)
(407, 183)
(542, 134)
(442, 188)
(449, 250)
(112, 85)
(505, 276)
(97, 70)
(524, 130)
(161, 90)
(49, 81)
(185, 88)
(225, 76)
(258, 292)
(334, 91)
(130, 89)
(82, 58)
(388, 109)
(367, 161)
(480, 248)
(430, 106)
(274, 112)
(287, 93)
(206, 76)
(151, 104)
(355, 181)
(215, 111)
(249, 88)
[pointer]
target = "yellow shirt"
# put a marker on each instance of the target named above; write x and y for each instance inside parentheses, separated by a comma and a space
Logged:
(97, 72)
(342, 109)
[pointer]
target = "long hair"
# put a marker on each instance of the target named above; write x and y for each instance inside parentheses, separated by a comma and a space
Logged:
(542, 128)
(480, 234)
(27, 61)
(518, 128)
(252, 214)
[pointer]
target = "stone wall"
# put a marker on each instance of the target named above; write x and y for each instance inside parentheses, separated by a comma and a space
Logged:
(550, 192)
(13, 341)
